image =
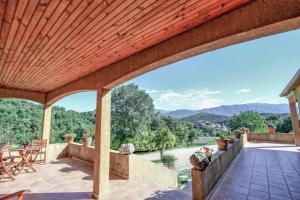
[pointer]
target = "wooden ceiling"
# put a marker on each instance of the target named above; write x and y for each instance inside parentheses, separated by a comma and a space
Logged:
(46, 44)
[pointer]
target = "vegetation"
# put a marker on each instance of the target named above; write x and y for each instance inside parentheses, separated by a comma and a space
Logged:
(70, 135)
(134, 120)
(224, 135)
(284, 125)
(207, 117)
(183, 177)
(168, 161)
(164, 138)
(252, 120)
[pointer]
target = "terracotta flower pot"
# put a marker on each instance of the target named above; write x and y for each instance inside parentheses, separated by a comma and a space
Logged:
(69, 139)
(222, 144)
(272, 130)
(86, 141)
(237, 134)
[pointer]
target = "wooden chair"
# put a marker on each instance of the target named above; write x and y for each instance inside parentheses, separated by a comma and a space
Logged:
(42, 153)
(6, 167)
(16, 194)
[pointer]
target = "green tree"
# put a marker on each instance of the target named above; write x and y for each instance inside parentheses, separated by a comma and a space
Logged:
(252, 120)
(285, 125)
(132, 113)
(164, 138)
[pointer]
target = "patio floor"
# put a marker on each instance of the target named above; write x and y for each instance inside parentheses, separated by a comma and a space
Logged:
(262, 171)
(72, 179)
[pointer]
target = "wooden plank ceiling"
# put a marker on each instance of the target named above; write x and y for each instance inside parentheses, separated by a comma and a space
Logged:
(46, 44)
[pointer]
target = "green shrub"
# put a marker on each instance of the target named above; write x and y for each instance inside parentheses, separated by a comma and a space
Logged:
(168, 161)
(72, 135)
(224, 135)
(184, 177)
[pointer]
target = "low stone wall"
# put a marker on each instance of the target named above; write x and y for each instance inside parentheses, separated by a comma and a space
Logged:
(56, 151)
(129, 166)
(204, 181)
(277, 137)
(155, 173)
(80, 152)
(119, 164)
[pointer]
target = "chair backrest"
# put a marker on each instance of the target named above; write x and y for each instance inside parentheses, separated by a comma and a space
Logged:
(40, 143)
(4, 147)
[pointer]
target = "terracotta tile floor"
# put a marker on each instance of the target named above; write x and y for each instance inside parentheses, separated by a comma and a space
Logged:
(261, 172)
(72, 179)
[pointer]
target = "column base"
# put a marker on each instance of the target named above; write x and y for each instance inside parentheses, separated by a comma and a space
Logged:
(95, 196)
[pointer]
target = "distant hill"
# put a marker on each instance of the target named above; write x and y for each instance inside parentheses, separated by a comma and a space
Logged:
(230, 110)
(206, 117)
(162, 111)
(180, 113)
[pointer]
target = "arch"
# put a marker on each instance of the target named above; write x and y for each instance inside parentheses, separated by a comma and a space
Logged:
(23, 94)
(52, 100)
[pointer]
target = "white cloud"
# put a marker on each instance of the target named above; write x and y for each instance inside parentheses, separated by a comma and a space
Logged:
(189, 99)
(244, 90)
(271, 100)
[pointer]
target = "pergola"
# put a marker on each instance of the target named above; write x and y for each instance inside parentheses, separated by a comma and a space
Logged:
(292, 92)
(51, 49)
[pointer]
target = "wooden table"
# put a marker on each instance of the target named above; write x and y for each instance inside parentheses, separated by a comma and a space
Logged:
(26, 154)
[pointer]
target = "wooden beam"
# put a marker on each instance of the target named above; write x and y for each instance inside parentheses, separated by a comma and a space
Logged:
(23, 94)
(264, 17)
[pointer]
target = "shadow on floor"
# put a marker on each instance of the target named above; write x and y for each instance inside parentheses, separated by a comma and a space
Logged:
(170, 195)
(81, 166)
(52, 196)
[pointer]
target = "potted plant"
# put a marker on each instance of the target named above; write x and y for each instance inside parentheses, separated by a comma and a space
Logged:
(87, 137)
(70, 137)
(223, 140)
(208, 152)
(272, 128)
(237, 133)
(231, 138)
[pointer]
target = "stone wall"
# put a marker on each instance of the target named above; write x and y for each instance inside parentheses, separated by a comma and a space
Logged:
(119, 164)
(151, 172)
(56, 151)
(204, 181)
(277, 137)
(129, 166)
(80, 152)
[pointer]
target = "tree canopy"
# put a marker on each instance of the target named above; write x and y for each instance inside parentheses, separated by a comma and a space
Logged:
(133, 119)
(249, 119)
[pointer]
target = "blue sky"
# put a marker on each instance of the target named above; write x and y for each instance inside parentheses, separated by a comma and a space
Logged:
(250, 72)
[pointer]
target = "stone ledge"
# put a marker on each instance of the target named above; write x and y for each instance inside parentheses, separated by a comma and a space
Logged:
(128, 166)
(277, 137)
(204, 181)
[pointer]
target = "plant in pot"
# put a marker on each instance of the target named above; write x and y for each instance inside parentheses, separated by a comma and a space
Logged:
(70, 137)
(223, 140)
(237, 133)
(87, 137)
(272, 128)
(208, 152)
(231, 138)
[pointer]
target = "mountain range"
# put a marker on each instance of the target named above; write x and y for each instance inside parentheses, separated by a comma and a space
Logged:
(230, 110)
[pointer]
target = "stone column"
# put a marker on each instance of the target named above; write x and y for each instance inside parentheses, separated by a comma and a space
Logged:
(46, 122)
(294, 116)
(102, 144)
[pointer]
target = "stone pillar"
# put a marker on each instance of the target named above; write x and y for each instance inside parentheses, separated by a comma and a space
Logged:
(102, 144)
(46, 124)
(295, 121)
(197, 184)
